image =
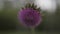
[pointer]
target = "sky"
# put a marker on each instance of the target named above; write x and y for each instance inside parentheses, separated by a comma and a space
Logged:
(44, 4)
(48, 5)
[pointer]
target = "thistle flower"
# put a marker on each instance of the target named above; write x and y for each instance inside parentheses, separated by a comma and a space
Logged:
(30, 16)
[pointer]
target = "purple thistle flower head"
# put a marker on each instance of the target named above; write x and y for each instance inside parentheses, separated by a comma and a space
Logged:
(30, 16)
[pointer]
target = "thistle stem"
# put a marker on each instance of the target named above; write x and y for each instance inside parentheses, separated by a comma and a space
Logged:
(32, 30)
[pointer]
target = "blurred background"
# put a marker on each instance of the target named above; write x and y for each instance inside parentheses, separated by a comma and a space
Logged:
(9, 23)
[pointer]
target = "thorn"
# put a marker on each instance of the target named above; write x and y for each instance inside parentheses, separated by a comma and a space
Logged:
(32, 5)
(28, 5)
(39, 9)
(22, 8)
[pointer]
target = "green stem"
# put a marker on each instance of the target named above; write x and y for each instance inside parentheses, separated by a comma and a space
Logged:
(32, 30)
